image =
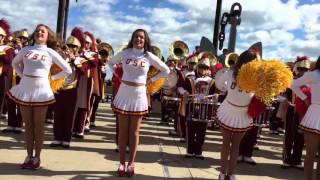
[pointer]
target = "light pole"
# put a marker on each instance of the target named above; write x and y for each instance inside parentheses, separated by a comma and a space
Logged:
(62, 21)
(216, 26)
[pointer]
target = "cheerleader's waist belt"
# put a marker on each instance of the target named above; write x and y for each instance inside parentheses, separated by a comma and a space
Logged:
(132, 83)
(242, 106)
(31, 76)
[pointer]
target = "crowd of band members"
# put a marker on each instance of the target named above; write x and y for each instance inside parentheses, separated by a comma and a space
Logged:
(74, 114)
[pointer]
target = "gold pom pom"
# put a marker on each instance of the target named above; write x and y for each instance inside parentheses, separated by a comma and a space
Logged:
(58, 83)
(266, 79)
(246, 76)
(155, 86)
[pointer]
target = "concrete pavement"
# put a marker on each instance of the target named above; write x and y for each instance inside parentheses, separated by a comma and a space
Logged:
(160, 156)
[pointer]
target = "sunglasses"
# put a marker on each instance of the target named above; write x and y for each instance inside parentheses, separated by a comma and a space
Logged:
(72, 46)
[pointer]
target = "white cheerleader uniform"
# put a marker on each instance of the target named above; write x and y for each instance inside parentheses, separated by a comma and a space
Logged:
(33, 64)
(311, 120)
(233, 112)
(132, 100)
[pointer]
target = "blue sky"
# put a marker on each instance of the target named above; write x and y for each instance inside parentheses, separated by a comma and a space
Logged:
(287, 28)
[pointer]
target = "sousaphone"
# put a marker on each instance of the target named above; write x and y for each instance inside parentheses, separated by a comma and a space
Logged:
(179, 50)
(231, 59)
(208, 55)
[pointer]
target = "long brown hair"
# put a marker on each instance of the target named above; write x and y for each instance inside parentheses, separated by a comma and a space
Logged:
(244, 58)
(147, 41)
(52, 36)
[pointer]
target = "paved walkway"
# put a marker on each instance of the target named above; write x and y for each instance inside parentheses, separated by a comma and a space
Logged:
(159, 157)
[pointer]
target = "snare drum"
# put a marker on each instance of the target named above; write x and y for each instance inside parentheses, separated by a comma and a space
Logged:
(169, 106)
(169, 86)
(202, 108)
(168, 100)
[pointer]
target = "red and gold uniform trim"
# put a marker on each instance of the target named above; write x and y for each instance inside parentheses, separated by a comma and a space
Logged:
(232, 129)
(132, 113)
(23, 103)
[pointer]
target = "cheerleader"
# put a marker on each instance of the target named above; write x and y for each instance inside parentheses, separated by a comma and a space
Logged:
(232, 116)
(310, 122)
(131, 102)
(34, 93)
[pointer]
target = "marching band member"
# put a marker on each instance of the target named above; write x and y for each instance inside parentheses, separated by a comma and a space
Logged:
(6, 56)
(7, 79)
(99, 78)
(201, 86)
(249, 141)
(310, 121)
(169, 90)
(188, 72)
(34, 93)
(232, 116)
(66, 97)
(293, 141)
(14, 114)
(131, 102)
(90, 52)
(86, 86)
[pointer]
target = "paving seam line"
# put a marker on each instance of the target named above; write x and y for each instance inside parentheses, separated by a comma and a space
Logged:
(163, 161)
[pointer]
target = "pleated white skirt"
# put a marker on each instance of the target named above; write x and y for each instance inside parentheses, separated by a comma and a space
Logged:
(32, 92)
(131, 100)
(311, 120)
(234, 118)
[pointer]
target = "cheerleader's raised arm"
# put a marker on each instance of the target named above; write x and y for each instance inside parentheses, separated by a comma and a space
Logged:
(118, 58)
(158, 64)
(58, 60)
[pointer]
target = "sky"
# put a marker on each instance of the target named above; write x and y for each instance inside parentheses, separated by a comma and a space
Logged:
(286, 28)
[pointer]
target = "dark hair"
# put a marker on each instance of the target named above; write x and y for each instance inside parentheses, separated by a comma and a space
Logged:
(318, 64)
(244, 58)
(147, 41)
(52, 37)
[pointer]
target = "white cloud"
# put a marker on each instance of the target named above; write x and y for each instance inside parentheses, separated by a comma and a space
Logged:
(271, 21)
(27, 14)
(195, 5)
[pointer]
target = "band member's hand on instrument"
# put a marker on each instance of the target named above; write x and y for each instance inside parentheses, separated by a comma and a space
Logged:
(72, 57)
